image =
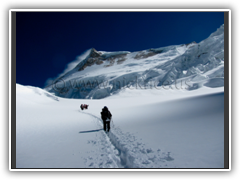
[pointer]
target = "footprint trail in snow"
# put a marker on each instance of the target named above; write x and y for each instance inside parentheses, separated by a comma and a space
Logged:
(119, 150)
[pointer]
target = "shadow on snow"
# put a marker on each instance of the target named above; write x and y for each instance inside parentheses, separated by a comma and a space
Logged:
(96, 130)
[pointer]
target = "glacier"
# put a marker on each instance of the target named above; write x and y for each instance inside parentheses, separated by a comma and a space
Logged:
(101, 74)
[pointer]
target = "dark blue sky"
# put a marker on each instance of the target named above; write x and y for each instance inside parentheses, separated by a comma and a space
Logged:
(48, 41)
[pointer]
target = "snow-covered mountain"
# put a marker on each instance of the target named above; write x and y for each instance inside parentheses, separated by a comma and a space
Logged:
(187, 67)
(167, 106)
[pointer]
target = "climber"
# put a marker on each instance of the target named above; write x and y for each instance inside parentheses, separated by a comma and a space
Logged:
(106, 117)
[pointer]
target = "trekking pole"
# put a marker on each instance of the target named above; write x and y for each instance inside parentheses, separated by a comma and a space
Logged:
(112, 122)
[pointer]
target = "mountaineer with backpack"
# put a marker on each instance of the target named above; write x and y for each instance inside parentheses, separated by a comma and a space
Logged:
(106, 117)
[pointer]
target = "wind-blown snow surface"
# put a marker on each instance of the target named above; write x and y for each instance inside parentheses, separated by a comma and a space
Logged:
(151, 129)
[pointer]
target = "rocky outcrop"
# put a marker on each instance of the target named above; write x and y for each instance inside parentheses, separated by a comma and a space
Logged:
(99, 58)
(145, 54)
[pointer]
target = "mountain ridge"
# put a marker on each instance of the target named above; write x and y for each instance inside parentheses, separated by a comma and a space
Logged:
(102, 74)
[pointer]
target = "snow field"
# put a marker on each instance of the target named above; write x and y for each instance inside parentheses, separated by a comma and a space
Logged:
(190, 128)
(129, 152)
(154, 126)
(150, 129)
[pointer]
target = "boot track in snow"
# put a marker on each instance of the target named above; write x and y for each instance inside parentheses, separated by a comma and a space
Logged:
(126, 152)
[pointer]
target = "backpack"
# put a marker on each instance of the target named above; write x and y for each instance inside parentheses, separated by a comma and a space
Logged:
(109, 116)
(106, 114)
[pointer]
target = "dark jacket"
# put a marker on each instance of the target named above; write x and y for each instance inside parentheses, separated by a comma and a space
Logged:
(106, 114)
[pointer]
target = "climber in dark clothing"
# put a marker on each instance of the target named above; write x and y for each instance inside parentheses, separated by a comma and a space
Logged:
(106, 117)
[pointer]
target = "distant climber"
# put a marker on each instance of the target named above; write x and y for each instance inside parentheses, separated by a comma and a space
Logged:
(84, 106)
(106, 117)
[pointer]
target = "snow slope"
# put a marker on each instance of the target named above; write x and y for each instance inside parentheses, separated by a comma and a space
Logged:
(150, 129)
(100, 74)
(167, 105)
